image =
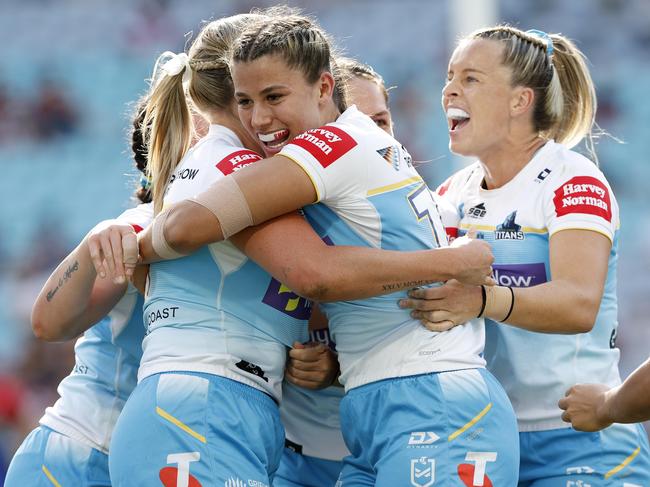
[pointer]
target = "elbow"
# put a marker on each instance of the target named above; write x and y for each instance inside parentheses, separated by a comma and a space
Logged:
(177, 237)
(44, 332)
(583, 315)
(45, 329)
(311, 282)
(189, 226)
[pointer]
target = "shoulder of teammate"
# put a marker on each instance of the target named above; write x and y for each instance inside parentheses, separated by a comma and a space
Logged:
(335, 156)
(207, 162)
(577, 195)
(139, 217)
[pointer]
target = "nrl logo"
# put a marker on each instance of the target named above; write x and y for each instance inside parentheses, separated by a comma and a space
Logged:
(423, 471)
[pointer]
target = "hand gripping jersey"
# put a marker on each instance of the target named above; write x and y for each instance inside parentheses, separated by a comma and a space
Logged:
(311, 417)
(370, 195)
(216, 311)
(107, 357)
(557, 190)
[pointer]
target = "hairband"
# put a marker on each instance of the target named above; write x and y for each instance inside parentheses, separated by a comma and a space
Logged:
(545, 37)
(145, 182)
(175, 64)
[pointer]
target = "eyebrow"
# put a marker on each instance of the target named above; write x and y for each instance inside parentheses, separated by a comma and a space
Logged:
(265, 91)
(381, 114)
(469, 70)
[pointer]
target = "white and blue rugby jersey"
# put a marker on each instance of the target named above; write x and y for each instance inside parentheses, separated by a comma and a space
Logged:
(216, 311)
(557, 190)
(311, 417)
(107, 357)
(370, 195)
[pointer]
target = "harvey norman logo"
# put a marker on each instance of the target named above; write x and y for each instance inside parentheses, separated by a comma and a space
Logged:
(519, 275)
(583, 194)
(237, 160)
(327, 144)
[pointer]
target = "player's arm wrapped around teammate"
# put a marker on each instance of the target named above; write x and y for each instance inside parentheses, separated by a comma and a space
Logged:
(79, 292)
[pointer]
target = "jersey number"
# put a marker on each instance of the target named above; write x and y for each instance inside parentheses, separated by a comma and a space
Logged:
(424, 206)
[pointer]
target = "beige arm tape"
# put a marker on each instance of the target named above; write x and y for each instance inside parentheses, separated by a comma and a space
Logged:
(498, 302)
(158, 240)
(226, 201)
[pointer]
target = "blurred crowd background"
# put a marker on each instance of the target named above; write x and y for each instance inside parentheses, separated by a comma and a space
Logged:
(70, 69)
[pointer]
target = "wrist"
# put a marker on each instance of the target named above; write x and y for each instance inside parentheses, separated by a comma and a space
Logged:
(606, 411)
(499, 302)
(451, 264)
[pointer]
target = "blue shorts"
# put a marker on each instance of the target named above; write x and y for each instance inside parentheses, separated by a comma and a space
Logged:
(616, 456)
(194, 429)
(47, 458)
(450, 428)
(297, 470)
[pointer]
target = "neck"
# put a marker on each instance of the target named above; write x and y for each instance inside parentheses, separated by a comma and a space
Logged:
(502, 165)
(329, 114)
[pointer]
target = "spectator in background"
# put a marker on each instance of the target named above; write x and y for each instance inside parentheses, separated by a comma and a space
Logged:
(53, 113)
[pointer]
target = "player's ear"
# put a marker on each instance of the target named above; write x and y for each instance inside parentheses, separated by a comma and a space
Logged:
(326, 84)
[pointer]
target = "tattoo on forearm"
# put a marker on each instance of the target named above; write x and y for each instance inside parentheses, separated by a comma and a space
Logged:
(67, 275)
(397, 286)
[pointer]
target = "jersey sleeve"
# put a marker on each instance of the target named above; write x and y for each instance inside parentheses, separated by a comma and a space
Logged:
(327, 155)
(580, 198)
(139, 217)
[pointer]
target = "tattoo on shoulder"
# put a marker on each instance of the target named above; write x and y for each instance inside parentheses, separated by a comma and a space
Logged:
(65, 277)
(398, 286)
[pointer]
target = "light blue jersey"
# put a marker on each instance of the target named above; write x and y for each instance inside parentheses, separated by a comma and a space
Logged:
(218, 327)
(370, 195)
(314, 446)
(557, 190)
(216, 311)
(71, 445)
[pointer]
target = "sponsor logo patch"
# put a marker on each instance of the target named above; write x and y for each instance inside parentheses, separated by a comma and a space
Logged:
(474, 474)
(519, 275)
(583, 194)
(442, 189)
(187, 173)
(283, 299)
(234, 482)
(477, 211)
(252, 369)
(180, 476)
(327, 144)
(237, 160)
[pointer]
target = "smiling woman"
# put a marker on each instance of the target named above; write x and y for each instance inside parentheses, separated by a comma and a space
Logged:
(518, 101)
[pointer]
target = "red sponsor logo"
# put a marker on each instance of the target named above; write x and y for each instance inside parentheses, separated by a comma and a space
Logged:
(169, 478)
(466, 474)
(583, 194)
(452, 233)
(327, 144)
(137, 228)
(442, 189)
(237, 160)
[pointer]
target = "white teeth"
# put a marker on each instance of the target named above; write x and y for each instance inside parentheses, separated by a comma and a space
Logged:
(457, 114)
(273, 136)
